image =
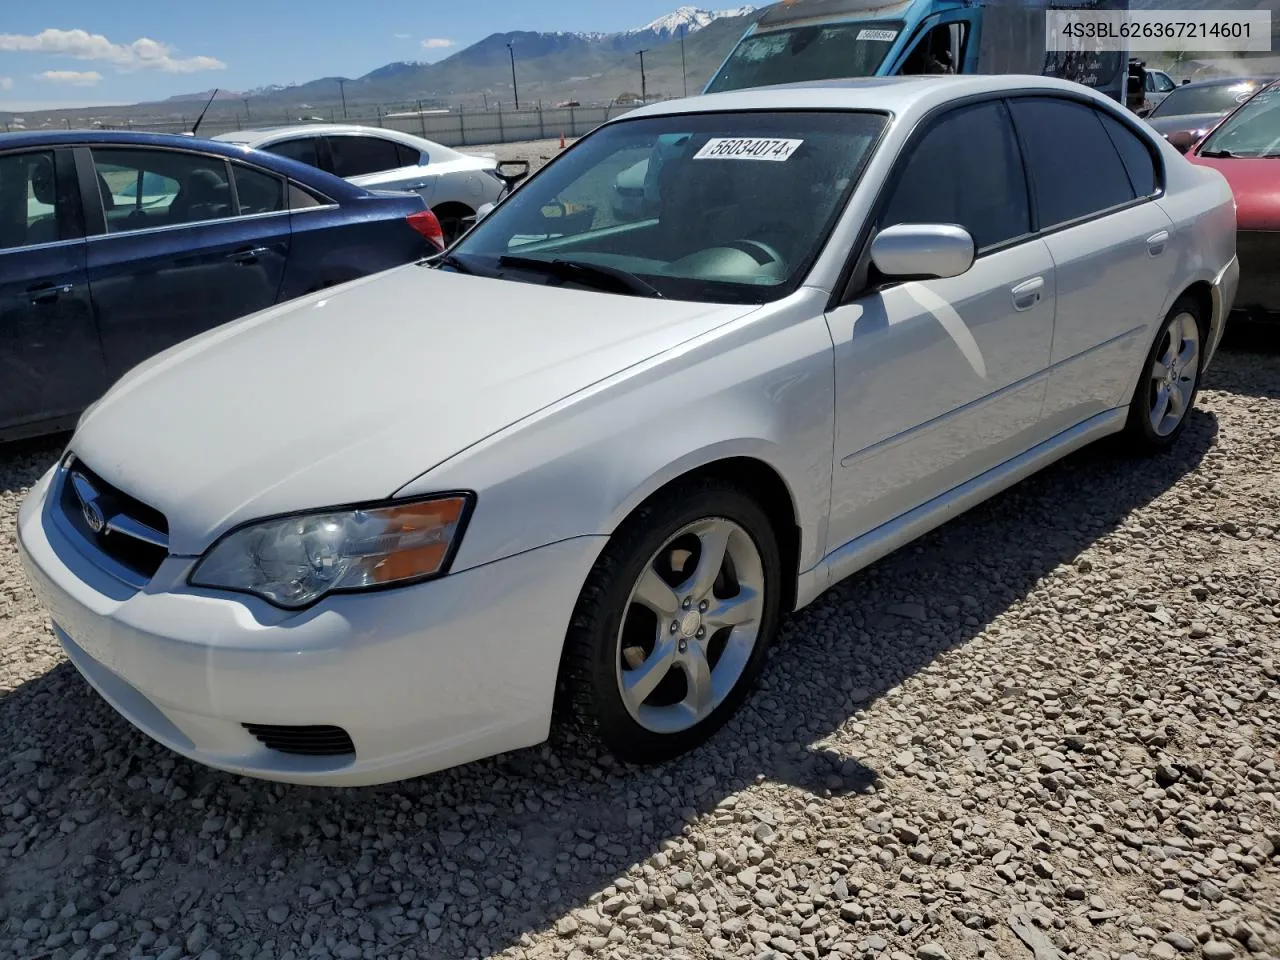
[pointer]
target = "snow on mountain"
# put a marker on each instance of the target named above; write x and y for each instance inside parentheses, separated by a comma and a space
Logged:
(691, 18)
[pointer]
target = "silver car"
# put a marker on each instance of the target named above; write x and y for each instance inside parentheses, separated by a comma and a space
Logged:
(455, 185)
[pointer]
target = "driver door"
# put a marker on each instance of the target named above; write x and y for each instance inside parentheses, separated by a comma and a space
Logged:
(940, 381)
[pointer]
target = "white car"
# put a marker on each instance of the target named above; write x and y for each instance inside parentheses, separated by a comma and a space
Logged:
(455, 185)
(585, 466)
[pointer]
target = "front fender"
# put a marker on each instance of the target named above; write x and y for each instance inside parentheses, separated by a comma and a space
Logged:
(762, 388)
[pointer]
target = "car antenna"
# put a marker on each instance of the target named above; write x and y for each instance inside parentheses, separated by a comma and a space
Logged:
(200, 119)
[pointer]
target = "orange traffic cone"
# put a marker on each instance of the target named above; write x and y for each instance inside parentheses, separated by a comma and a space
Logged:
(562, 141)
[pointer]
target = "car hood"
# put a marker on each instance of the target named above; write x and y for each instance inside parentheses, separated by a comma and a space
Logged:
(347, 395)
(1188, 121)
(1256, 185)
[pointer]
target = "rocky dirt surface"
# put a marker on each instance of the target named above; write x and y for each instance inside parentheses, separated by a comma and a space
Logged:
(537, 152)
(1050, 730)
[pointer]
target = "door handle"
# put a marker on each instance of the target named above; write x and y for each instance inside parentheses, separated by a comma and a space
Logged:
(1156, 243)
(48, 292)
(417, 186)
(248, 256)
(1027, 295)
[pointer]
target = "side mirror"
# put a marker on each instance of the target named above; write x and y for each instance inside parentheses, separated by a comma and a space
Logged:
(484, 211)
(1182, 140)
(1185, 82)
(912, 251)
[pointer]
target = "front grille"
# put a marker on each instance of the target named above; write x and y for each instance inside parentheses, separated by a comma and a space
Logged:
(304, 741)
(131, 534)
(1259, 253)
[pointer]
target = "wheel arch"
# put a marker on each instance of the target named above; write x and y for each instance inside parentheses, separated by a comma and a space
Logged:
(756, 477)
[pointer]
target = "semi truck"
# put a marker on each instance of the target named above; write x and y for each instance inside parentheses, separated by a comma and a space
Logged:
(800, 40)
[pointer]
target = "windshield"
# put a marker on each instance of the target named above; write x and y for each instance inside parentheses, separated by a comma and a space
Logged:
(806, 53)
(736, 205)
(1213, 98)
(1253, 131)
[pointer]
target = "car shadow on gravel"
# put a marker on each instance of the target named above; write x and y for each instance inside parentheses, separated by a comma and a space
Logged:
(509, 846)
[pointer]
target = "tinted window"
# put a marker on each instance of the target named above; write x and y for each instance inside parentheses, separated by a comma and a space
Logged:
(303, 150)
(965, 170)
(257, 192)
(300, 199)
(409, 157)
(1135, 154)
(1074, 168)
(358, 156)
(28, 200)
(141, 189)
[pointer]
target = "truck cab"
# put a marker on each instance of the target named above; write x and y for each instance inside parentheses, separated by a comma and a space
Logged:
(810, 40)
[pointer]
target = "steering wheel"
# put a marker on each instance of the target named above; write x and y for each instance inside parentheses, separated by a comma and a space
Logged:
(760, 252)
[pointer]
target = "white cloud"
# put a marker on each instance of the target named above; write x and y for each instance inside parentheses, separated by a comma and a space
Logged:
(72, 78)
(143, 54)
(6, 83)
(437, 43)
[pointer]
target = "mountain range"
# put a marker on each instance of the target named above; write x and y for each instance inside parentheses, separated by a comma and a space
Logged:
(549, 66)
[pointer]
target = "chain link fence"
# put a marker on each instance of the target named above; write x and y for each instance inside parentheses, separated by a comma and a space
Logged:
(453, 128)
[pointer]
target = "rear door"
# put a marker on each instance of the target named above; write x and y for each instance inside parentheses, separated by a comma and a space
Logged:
(1094, 181)
(181, 242)
(51, 362)
(379, 163)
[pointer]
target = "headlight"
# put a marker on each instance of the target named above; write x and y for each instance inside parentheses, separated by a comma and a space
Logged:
(295, 561)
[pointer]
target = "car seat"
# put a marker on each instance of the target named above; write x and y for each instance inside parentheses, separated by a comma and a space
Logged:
(44, 188)
(204, 196)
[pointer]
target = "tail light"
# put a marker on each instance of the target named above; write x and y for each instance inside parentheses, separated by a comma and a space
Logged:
(425, 222)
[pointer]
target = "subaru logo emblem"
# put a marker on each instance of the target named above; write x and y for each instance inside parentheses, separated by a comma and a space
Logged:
(89, 506)
(93, 516)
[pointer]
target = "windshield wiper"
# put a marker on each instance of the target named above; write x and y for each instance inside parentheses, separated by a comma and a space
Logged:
(590, 274)
(450, 260)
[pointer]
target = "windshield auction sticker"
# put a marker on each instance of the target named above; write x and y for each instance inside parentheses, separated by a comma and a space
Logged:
(888, 36)
(748, 148)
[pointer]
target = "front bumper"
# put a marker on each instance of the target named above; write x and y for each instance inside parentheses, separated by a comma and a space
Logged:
(421, 678)
(1258, 295)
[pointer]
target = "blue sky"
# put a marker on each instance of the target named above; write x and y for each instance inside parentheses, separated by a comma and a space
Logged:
(78, 52)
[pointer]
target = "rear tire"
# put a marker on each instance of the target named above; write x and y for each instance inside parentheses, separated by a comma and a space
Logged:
(1170, 381)
(674, 623)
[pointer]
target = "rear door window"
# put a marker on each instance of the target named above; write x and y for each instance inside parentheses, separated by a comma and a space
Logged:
(361, 156)
(141, 189)
(1075, 170)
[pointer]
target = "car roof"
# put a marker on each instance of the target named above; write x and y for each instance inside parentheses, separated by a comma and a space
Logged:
(267, 134)
(1228, 82)
(325, 183)
(896, 95)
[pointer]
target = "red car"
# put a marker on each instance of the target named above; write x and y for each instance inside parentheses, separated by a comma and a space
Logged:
(1245, 148)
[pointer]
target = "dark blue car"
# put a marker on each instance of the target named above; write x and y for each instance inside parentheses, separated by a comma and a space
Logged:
(116, 245)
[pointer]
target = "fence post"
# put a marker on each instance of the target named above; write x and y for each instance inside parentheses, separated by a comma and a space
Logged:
(542, 127)
(422, 121)
(573, 122)
(502, 136)
(462, 127)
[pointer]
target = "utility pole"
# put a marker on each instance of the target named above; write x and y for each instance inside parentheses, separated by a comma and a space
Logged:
(515, 89)
(684, 67)
(342, 89)
(246, 109)
(644, 87)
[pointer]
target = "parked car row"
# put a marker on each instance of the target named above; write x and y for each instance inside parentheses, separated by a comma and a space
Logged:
(582, 464)
(115, 246)
(1235, 130)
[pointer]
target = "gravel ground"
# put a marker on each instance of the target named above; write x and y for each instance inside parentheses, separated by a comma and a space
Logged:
(537, 152)
(1049, 730)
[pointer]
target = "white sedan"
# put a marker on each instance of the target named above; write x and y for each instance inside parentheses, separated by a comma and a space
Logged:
(584, 467)
(455, 185)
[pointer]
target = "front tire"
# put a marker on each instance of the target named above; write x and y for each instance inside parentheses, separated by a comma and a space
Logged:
(674, 622)
(1170, 381)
